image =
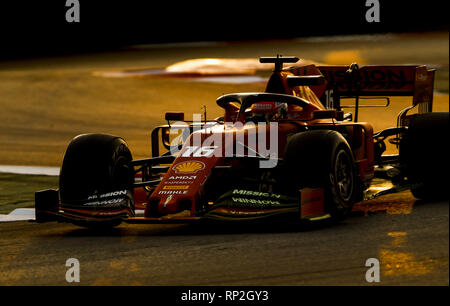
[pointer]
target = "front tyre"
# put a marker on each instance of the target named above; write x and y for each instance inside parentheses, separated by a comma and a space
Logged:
(96, 181)
(323, 159)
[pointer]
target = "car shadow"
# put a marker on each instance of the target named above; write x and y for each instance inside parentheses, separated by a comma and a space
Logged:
(202, 228)
(229, 227)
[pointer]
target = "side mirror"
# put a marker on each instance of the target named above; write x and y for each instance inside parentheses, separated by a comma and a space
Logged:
(348, 117)
(174, 116)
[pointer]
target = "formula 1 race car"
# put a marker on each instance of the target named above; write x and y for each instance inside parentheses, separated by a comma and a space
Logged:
(289, 152)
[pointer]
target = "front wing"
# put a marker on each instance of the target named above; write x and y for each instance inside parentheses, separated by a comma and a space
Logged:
(234, 205)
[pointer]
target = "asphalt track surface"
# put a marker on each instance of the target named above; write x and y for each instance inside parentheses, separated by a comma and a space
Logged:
(411, 244)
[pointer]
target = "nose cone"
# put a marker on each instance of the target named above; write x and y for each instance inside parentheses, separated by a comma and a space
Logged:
(168, 205)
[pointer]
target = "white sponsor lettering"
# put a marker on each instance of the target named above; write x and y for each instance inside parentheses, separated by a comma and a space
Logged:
(105, 202)
(109, 194)
(256, 193)
(255, 201)
(182, 177)
(178, 182)
(172, 192)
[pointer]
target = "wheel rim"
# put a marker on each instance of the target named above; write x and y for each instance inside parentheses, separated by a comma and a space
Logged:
(344, 175)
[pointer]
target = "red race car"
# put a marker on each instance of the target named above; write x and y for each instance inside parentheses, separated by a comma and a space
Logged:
(289, 152)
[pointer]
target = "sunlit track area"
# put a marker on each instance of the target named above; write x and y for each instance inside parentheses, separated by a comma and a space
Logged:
(61, 97)
(45, 102)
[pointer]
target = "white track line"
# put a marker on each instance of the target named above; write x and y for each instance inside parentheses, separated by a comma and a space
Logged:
(18, 214)
(25, 214)
(32, 170)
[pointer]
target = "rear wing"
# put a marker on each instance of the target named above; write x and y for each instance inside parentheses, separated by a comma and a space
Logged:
(406, 80)
(372, 81)
(352, 81)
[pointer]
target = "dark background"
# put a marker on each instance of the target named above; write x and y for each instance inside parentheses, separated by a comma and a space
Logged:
(39, 28)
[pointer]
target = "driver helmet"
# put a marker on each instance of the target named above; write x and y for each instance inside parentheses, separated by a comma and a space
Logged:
(271, 110)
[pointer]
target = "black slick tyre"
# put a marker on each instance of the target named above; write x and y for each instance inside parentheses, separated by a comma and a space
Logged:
(96, 178)
(323, 159)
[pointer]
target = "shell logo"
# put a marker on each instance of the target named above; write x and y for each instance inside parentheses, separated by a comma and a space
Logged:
(189, 167)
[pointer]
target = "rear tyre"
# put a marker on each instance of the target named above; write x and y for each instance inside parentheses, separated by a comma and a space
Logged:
(323, 159)
(424, 154)
(97, 177)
